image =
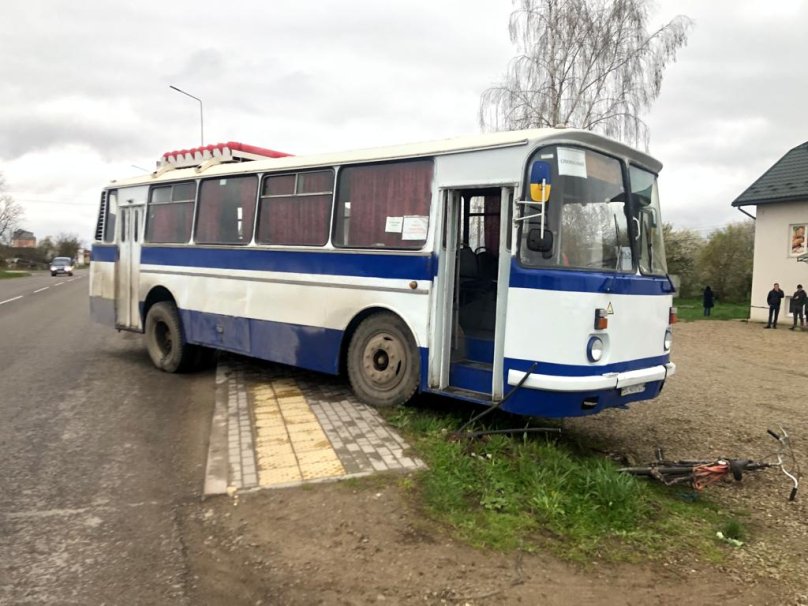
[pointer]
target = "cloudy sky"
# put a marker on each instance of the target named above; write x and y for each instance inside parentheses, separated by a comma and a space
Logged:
(85, 97)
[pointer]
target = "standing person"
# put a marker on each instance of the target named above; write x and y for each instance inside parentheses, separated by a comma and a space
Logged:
(774, 298)
(708, 300)
(798, 300)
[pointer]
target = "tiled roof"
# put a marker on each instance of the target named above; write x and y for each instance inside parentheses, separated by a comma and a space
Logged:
(786, 181)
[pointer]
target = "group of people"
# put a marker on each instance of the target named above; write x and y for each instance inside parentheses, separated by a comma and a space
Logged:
(799, 301)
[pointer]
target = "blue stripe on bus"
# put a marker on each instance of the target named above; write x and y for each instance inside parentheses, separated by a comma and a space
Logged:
(104, 252)
(367, 265)
(554, 404)
(308, 347)
(587, 281)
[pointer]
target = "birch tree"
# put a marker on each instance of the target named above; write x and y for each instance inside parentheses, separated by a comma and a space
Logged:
(590, 64)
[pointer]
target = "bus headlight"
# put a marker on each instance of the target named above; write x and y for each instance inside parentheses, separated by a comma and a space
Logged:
(594, 349)
(668, 340)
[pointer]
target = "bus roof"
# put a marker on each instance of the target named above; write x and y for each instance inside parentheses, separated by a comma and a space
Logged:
(408, 150)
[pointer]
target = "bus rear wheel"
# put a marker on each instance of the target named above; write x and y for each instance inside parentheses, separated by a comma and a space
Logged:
(383, 361)
(164, 341)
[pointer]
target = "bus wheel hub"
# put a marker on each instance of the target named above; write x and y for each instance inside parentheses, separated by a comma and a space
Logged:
(382, 359)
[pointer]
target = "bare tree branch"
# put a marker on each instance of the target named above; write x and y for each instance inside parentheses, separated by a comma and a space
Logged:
(583, 63)
(11, 213)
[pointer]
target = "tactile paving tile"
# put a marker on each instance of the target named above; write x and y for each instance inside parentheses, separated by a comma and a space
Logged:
(308, 427)
(290, 443)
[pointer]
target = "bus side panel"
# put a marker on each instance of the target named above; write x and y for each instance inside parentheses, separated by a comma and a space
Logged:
(309, 347)
(102, 283)
(294, 318)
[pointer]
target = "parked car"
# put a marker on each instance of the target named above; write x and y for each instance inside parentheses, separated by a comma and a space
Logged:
(61, 265)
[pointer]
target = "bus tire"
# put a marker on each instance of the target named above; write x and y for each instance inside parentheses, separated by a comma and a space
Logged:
(383, 361)
(164, 341)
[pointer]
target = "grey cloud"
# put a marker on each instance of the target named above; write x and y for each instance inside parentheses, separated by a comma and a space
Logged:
(26, 134)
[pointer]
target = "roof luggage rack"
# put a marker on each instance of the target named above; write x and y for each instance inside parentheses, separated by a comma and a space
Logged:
(206, 156)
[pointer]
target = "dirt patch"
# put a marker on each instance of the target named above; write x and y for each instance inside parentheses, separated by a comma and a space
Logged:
(366, 542)
(734, 381)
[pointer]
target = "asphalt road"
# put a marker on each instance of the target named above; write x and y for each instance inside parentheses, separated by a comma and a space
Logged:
(101, 455)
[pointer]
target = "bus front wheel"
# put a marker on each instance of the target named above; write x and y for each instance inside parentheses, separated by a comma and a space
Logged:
(383, 362)
(164, 341)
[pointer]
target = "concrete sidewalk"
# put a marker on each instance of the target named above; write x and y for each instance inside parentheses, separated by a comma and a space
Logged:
(275, 426)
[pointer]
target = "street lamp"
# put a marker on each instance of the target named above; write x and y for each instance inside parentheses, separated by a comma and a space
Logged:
(201, 120)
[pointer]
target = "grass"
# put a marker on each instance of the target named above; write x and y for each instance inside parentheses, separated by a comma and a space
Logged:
(4, 274)
(692, 309)
(531, 491)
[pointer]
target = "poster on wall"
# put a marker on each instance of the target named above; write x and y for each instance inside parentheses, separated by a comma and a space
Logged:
(797, 239)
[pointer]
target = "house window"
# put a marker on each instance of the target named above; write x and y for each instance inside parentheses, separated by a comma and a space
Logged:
(797, 235)
(295, 209)
(226, 210)
(384, 205)
(171, 213)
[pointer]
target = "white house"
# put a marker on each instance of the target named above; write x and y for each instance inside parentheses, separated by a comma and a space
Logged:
(781, 229)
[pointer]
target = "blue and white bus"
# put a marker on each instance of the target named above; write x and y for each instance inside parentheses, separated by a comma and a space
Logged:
(529, 260)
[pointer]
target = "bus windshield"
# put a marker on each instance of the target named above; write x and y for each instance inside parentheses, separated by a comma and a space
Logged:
(586, 213)
(645, 195)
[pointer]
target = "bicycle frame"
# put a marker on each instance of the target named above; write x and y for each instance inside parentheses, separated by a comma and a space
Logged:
(700, 474)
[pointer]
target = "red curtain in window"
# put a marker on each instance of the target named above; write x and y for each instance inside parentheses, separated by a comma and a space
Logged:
(219, 200)
(170, 223)
(381, 191)
(318, 182)
(294, 220)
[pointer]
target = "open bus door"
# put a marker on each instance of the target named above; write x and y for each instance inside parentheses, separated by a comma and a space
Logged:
(131, 219)
(472, 287)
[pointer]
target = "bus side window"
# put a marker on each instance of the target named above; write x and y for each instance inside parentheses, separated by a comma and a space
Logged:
(226, 210)
(112, 213)
(388, 205)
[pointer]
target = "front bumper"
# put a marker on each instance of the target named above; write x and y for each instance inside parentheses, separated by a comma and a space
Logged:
(610, 380)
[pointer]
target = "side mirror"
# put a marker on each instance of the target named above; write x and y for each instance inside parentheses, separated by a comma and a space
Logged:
(537, 243)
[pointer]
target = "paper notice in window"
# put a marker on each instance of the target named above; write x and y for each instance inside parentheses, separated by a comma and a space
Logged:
(572, 162)
(414, 227)
(393, 225)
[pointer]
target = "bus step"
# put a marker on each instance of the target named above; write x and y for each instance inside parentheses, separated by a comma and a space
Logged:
(471, 376)
(467, 394)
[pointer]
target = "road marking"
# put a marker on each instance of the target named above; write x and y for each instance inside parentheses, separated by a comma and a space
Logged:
(10, 300)
(41, 289)
(58, 283)
(61, 513)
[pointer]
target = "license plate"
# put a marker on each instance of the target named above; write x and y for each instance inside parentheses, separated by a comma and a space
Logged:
(627, 391)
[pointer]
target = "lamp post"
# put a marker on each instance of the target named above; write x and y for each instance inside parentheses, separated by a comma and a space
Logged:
(201, 120)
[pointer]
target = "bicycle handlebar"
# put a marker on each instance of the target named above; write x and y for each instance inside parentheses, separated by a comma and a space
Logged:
(785, 448)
